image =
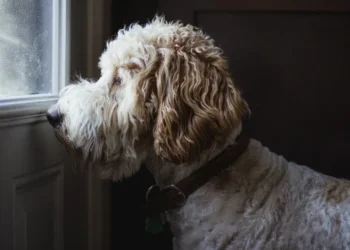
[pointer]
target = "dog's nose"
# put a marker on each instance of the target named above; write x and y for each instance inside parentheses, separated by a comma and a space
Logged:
(53, 116)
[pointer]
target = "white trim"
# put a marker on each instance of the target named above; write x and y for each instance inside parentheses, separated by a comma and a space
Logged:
(28, 105)
(60, 44)
(18, 112)
(65, 43)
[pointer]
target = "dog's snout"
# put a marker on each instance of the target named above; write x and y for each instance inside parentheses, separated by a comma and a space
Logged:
(53, 116)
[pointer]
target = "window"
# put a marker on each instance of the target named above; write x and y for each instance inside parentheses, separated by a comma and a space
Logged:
(33, 50)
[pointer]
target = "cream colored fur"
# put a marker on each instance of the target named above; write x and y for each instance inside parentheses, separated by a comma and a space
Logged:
(166, 99)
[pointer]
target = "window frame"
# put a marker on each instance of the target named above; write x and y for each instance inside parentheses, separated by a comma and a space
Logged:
(35, 106)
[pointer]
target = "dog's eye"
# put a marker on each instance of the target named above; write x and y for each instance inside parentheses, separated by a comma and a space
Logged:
(116, 81)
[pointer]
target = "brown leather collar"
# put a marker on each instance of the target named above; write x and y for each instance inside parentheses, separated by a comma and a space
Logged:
(175, 195)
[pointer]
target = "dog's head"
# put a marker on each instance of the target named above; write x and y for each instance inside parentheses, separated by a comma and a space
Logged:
(164, 87)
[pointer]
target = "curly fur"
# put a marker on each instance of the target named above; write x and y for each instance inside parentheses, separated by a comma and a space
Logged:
(166, 99)
(197, 99)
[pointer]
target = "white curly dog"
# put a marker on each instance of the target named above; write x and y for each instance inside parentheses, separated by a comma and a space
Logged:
(166, 99)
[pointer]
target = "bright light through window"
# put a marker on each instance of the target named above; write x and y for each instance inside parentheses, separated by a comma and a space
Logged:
(26, 48)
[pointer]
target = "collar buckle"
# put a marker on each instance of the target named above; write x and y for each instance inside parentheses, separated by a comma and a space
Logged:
(179, 194)
(178, 197)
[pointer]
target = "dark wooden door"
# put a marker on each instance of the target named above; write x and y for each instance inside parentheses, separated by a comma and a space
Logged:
(291, 59)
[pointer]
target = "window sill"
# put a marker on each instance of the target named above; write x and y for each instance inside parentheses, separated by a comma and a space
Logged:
(25, 109)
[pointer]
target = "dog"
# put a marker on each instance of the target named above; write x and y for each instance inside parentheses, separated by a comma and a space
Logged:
(166, 99)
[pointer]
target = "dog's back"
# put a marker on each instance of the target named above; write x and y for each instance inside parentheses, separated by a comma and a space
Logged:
(265, 202)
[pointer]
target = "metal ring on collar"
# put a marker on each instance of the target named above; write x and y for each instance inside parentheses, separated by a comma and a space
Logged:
(149, 190)
(184, 198)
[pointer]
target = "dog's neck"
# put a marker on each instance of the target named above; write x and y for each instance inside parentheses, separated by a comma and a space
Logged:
(166, 173)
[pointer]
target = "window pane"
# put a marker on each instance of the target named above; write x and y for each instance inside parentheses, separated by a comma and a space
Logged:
(25, 47)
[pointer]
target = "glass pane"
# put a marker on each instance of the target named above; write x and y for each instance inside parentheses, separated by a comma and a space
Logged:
(25, 47)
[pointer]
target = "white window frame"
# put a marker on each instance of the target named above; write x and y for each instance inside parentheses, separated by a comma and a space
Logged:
(35, 106)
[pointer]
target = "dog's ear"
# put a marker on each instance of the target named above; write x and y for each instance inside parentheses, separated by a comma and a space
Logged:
(198, 104)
